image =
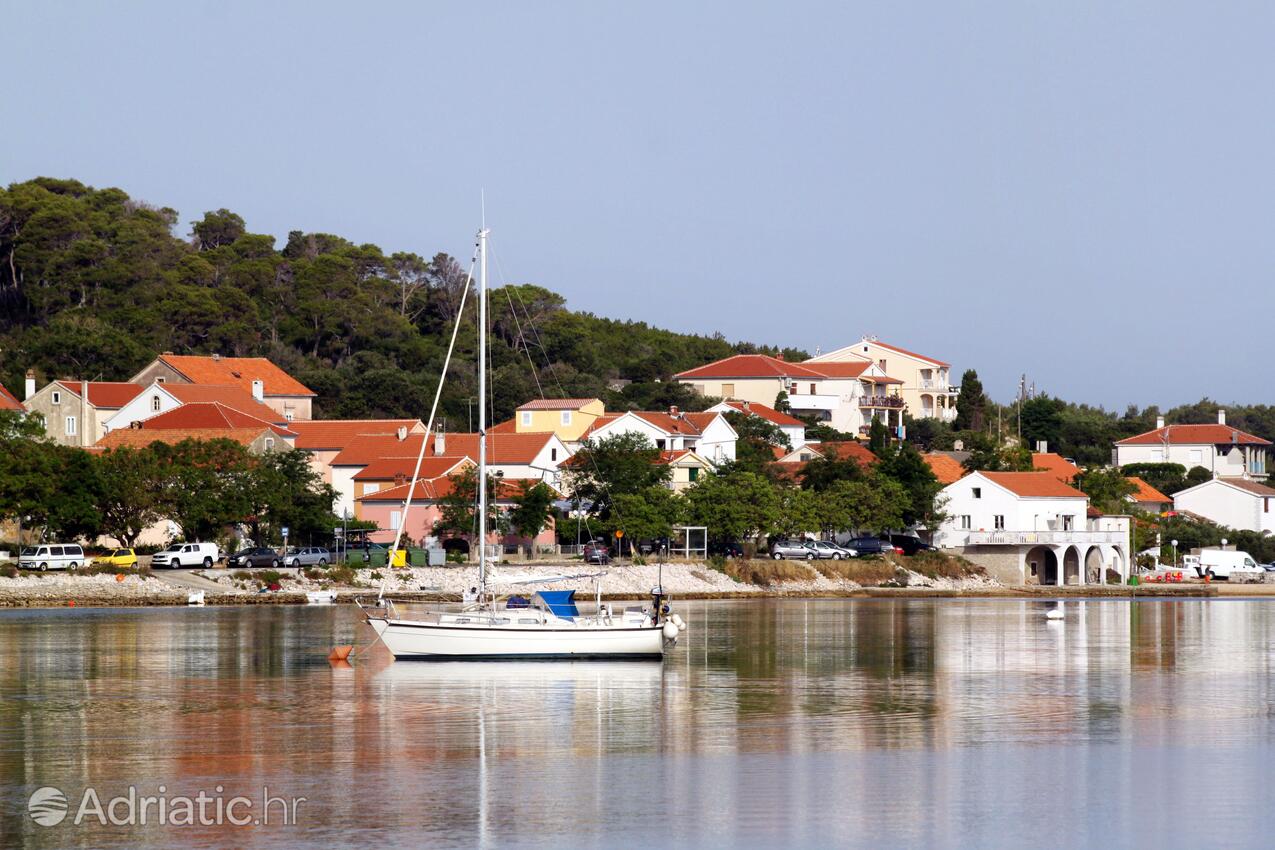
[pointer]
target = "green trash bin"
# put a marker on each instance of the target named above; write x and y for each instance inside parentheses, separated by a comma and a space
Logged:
(1134, 581)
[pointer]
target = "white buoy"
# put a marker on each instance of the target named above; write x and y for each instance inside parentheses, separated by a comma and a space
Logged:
(1054, 614)
(196, 598)
(670, 630)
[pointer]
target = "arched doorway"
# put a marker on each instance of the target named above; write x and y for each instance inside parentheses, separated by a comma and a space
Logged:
(1095, 568)
(1071, 566)
(1040, 566)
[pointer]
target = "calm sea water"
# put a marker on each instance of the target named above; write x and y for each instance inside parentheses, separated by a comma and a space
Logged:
(781, 723)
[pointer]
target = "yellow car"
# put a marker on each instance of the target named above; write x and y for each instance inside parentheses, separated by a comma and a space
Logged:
(118, 558)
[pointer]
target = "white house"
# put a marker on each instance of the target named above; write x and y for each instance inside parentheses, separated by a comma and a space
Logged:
(158, 399)
(846, 395)
(1221, 449)
(792, 427)
(1023, 526)
(707, 434)
(925, 383)
(1233, 502)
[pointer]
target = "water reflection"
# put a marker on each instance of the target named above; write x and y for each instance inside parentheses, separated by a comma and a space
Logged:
(777, 722)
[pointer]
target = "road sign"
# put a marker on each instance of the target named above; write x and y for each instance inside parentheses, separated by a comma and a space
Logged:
(285, 531)
(619, 532)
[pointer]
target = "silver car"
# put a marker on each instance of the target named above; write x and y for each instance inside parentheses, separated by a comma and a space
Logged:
(825, 549)
(782, 550)
(309, 556)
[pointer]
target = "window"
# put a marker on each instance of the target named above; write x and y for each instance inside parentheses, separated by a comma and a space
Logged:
(1033, 565)
(881, 363)
(694, 473)
(728, 390)
(553, 454)
(57, 397)
(525, 417)
(155, 404)
(977, 492)
(966, 525)
(659, 444)
(1266, 505)
(288, 414)
(805, 456)
(70, 426)
(812, 389)
(370, 488)
(1067, 521)
(396, 517)
(270, 442)
(159, 380)
(998, 522)
(566, 417)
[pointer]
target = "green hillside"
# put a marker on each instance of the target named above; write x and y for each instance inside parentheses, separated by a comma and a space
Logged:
(94, 284)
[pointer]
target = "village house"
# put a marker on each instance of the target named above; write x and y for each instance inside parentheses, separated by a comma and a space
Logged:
(257, 440)
(257, 376)
(325, 438)
(568, 418)
(8, 401)
(213, 416)
(925, 383)
(790, 426)
(1222, 450)
(385, 508)
(1147, 498)
(846, 396)
(76, 413)
(707, 434)
(1239, 503)
(160, 399)
(1031, 528)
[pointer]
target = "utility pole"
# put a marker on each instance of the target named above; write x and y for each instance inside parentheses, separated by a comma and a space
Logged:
(1022, 390)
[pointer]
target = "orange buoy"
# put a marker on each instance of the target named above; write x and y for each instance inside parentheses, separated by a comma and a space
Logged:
(340, 653)
(119, 576)
(70, 603)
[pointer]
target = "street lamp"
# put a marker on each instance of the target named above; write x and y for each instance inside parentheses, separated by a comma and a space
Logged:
(1174, 544)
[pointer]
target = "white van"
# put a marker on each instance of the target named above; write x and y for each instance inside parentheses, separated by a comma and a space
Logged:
(1220, 563)
(53, 556)
(187, 555)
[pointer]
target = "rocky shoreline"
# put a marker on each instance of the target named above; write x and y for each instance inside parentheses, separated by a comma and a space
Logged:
(680, 580)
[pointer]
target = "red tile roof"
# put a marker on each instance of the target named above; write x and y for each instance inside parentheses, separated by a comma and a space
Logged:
(314, 434)
(1063, 469)
(140, 437)
(1145, 492)
(8, 401)
(106, 395)
(774, 417)
(909, 353)
(847, 449)
(1248, 486)
(387, 468)
(1033, 485)
(1194, 435)
(751, 366)
(684, 423)
(557, 403)
(236, 371)
(946, 469)
(231, 397)
(205, 415)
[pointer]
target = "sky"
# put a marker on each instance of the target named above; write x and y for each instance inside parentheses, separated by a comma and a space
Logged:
(1079, 191)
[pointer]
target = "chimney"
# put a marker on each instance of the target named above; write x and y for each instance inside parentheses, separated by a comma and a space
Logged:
(672, 410)
(958, 445)
(259, 390)
(1042, 447)
(216, 358)
(30, 386)
(1159, 422)
(1221, 416)
(399, 479)
(440, 442)
(136, 425)
(401, 433)
(745, 405)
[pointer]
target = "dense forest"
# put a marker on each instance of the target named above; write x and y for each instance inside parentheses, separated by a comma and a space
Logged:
(94, 284)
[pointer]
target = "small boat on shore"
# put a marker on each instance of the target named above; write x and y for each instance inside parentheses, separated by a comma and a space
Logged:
(320, 597)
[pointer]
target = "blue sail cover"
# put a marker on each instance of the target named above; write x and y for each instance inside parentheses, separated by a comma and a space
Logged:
(561, 603)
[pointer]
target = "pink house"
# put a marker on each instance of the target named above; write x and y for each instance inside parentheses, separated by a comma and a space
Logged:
(385, 508)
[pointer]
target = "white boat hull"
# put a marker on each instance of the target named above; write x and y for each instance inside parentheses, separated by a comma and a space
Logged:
(423, 640)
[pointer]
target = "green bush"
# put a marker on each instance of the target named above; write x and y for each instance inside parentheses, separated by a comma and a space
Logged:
(717, 562)
(342, 575)
(9, 570)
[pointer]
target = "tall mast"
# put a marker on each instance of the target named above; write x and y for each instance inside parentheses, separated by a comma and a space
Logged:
(482, 408)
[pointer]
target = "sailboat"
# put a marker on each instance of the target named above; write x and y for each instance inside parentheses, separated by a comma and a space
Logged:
(549, 624)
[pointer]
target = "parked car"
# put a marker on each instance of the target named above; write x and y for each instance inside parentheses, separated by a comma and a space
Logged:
(257, 556)
(308, 556)
(727, 550)
(910, 544)
(870, 546)
(596, 553)
(119, 558)
(825, 549)
(53, 556)
(181, 555)
(786, 550)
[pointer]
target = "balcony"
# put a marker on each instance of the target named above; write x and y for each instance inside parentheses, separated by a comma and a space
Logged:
(938, 386)
(1042, 538)
(814, 402)
(891, 402)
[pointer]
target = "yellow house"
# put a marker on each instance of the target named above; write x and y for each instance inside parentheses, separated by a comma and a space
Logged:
(568, 418)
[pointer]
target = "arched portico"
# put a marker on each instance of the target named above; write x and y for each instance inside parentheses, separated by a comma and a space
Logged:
(1071, 566)
(1095, 566)
(1040, 566)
